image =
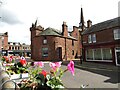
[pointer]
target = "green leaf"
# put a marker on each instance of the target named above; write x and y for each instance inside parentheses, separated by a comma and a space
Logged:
(40, 79)
(48, 77)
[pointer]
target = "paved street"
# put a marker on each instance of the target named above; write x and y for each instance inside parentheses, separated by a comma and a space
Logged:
(86, 74)
(92, 78)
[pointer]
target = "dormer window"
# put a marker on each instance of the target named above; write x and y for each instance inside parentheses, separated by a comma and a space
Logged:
(45, 40)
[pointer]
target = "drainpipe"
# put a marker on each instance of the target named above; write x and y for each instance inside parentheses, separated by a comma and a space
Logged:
(65, 51)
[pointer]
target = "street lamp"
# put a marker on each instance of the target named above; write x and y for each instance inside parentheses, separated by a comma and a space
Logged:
(80, 43)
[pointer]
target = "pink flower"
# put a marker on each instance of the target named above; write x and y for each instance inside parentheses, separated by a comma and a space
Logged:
(11, 58)
(40, 64)
(55, 65)
(70, 67)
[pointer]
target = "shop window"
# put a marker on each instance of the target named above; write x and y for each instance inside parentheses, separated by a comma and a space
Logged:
(107, 54)
(89, 54)
(97, 54)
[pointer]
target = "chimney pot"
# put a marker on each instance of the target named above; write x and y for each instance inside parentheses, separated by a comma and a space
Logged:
(64, 22)
(89, 23)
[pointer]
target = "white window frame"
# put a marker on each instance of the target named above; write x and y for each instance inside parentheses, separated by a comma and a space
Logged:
(94, 56)
(94, 38)
(116, 33)
(89, 39)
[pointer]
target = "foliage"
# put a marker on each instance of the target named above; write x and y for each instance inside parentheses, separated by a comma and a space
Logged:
(40, 78)
(8, 59)
(19, 67)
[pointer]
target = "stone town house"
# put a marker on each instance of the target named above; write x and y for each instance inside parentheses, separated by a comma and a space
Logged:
(101, 42)
(51, 44)
(3, 42)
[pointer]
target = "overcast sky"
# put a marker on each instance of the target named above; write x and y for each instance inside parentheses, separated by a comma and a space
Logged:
(17, 16)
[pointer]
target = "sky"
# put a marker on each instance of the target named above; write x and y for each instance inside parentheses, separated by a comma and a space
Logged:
(17, 16)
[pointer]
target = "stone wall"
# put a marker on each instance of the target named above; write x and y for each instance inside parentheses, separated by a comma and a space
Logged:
(5, 82)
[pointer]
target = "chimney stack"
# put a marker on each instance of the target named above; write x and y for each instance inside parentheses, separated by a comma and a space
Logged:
(89, 23)
(64, 29)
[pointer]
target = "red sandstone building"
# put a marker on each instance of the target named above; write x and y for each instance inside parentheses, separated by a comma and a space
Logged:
(51, 44)
(3, 42)
(14, 48)
(101, 42)
(55, 45)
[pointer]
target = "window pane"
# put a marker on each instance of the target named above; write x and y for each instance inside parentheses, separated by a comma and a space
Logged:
(89, 54)
(97, 54)
(89, 39)
(45, 52)
(107, 54)
(117, 34)
(44, 41)
(94, 38)
(72, 52)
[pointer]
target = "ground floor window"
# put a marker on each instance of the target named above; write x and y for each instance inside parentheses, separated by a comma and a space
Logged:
(44, 52)
(90, 54)
(99, 54)
(107, 54)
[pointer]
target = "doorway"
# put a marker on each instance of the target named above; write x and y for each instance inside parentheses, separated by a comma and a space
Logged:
(59, 53)
(117, 56)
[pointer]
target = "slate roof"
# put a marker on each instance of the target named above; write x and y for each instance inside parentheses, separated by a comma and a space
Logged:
(103, 25)
(53, 32)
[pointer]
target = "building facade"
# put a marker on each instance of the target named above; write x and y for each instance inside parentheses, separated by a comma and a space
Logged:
(13, 48)
(52, 44)
(19, 49)
(101, 42)
(3, 43)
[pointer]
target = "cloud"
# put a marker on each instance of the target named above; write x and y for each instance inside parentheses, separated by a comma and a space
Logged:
(9, 17)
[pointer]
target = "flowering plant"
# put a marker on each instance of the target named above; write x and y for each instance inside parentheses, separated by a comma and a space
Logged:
(39, 78)
(8, 59)
(19, 67)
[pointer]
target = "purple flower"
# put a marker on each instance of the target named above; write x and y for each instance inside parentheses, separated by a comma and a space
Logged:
(40, 64)
(55, 65)
(70, 67)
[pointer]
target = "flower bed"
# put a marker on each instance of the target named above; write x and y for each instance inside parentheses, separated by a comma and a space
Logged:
(39, 78)
(8, 59)
(15, 70)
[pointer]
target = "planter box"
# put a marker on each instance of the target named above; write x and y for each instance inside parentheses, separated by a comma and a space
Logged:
(8, 64)
(19, 76)
(15, 76)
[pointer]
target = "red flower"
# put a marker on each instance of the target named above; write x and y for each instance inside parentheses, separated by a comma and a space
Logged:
(23, 62)
(44, 73)
(6, 59)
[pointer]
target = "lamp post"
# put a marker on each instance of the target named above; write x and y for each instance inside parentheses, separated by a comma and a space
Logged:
(80, 44)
